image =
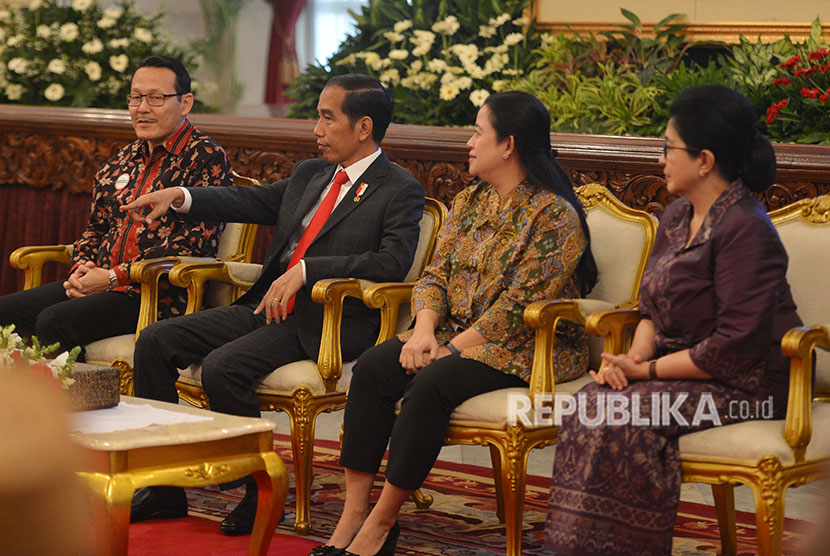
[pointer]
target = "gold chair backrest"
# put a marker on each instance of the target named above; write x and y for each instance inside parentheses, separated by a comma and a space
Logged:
(434, 215)
(237, 245)
(621, 241)
(804, 227)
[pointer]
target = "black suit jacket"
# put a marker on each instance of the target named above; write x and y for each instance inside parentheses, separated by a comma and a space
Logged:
(373, 239)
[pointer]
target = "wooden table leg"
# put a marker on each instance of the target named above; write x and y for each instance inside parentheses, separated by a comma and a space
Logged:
(111, 500)
(272, 490)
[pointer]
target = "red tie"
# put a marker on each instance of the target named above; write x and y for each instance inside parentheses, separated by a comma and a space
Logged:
(316, 224)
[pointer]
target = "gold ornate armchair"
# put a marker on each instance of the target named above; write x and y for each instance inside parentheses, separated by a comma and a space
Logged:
(768, 455)
(303, 389)
(236, 244)
(621, 241)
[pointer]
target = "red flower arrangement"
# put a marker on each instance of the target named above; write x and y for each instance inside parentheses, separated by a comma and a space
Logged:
(803, 92)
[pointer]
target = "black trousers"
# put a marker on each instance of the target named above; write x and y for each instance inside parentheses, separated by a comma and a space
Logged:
(235, 347)
(429, 398)
(46, 312)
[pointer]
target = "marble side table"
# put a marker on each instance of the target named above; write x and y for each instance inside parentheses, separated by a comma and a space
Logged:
(218, 450)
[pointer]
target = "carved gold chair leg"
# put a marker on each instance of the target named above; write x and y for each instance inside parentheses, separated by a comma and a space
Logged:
(303, 408)
(421, 499)
(495, 458)
(512, 474)
(724, 495)
(126, 379)
(769, 507)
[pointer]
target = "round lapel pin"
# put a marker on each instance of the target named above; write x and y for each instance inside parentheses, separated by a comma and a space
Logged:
(122, 181)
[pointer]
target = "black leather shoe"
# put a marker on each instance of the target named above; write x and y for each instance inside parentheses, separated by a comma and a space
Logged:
(326, 550)
(159, 502)
(388, 548)
(241, 519)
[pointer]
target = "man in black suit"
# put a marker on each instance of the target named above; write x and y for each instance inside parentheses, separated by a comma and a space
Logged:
(371, 233)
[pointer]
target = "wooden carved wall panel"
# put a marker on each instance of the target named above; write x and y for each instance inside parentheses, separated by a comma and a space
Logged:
(56, 162)
(266, 166)
(783, 194)
(441, 180)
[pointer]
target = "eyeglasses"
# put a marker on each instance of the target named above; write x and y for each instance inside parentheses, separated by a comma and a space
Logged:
(667, 148)
(153, 99)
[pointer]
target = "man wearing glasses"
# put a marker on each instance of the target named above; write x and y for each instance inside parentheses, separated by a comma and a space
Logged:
(98, 299)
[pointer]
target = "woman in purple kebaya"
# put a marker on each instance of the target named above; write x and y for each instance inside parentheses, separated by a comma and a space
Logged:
(714, 303)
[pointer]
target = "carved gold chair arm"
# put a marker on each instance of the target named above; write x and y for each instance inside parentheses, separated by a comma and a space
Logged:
(194, 273)
(543, 316)
(615, 326)
(388, 297)
(147, 273)
(32, 258)
(331, 292)
(799, 344)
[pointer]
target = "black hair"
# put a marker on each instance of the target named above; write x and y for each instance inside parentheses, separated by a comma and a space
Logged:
(723, 121)
(365, 96)
(182, 77)
(525, 118)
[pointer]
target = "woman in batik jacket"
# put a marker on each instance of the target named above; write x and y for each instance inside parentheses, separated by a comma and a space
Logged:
(518, 236)
(714, 303)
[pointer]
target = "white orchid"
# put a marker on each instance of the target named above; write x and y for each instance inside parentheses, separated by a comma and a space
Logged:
(513, 39)
(142, 34)
(81, 5)
(398, 54)
(68, 32)
(106, 22)
(402, 26)
(478, 97)
(56, 66)
(93, 47)
(119, 63)
(393, 36)
(54, 92)
(93, 70)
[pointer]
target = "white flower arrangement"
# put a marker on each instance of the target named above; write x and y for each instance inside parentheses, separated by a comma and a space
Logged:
(77, 52)
(416, 62)
(441, 60)
(16, 355)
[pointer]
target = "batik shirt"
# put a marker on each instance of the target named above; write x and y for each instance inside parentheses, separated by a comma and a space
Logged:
(495, 256)
(114, 240)
(725, 296)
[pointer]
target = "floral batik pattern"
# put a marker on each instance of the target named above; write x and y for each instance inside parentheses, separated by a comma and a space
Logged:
(494, 257)
(112, 239)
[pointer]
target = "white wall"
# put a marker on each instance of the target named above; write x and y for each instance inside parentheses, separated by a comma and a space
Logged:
(184, 20)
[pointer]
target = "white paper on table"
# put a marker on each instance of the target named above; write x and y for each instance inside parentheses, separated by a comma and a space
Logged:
(126, 416)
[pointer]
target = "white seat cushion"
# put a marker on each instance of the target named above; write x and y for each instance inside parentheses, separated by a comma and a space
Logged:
(104, 352)
(752, 440)
(283, 380)
(491, 408)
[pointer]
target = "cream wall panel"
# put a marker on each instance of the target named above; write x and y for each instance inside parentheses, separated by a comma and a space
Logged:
(608, 11)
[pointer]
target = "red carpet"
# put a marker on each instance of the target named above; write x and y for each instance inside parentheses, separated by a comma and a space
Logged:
(461, 521)
(199, 536)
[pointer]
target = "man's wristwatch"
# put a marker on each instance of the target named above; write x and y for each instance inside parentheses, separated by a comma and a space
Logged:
(113, 282)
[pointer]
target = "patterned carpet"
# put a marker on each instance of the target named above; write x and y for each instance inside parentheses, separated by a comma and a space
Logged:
(462, 520)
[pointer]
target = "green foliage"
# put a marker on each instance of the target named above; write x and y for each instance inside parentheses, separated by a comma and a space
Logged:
(616, 82)
(77, 53)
